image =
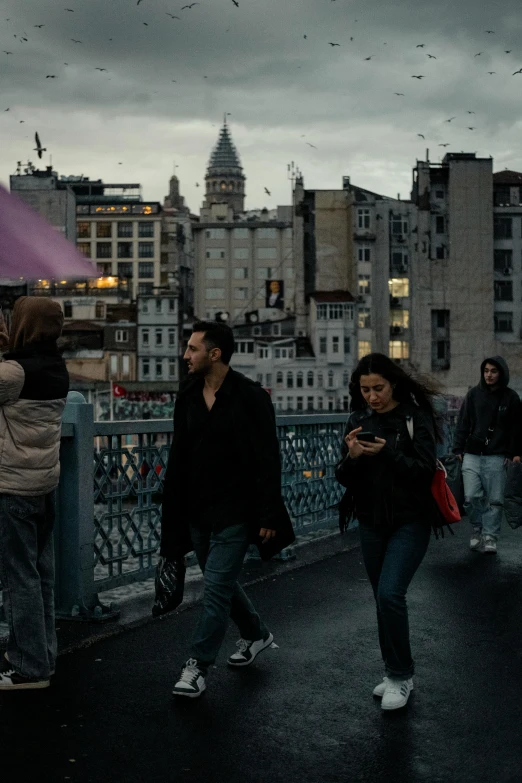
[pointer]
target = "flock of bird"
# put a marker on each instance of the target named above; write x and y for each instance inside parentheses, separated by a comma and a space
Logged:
(23, 38)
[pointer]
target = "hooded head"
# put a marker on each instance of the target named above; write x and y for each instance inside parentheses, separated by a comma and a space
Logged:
(35, 319)
(501, 364)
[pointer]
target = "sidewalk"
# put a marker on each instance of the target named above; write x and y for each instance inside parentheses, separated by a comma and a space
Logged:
(304, 711)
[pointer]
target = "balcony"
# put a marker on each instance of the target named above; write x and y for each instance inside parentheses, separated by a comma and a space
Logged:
(105, 286)
(364, 234)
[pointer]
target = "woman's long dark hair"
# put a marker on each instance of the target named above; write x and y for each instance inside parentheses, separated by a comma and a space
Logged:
(406, 387)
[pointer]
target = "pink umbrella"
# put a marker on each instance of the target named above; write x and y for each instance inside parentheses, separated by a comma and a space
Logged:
(33, 249)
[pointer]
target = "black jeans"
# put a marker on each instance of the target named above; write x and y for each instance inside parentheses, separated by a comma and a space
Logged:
(391, 559)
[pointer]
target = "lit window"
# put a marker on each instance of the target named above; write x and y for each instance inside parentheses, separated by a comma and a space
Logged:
(399, 286)
(84, 248)
(364, 348)
(103, 230)
(399, 349)
(83, 230)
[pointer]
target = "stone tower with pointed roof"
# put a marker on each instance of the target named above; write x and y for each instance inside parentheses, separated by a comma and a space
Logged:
(225, 181)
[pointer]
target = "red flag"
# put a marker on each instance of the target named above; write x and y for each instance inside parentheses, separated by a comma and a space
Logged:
(118, 391)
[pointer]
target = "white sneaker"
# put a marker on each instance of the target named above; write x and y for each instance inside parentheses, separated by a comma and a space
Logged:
(490, 545)
(476, 541)
(248, 651)
(191, 682)
(396, 693)
(381, 687)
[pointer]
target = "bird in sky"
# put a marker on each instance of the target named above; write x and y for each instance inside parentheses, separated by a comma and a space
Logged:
(8, 109)
(305, 37)
(450, 119)
(431, 56)
(189, 6)
(444, 145)
(7, 52)
(69, 9)
(173, 16)
(66, 63)
(514, 74)
(333, 44)
(489, 31)
(236, 3)
(21, 121)
(39, 149)
(417, 77)
(267, 192)
(75, 40)
(51, 76)
(174, 80)
(311, 145)
(370, 57)
(508, 51)
(197, 184)
(420, 46)
(471, 112)
(491, 72)
(139, 1)
(39, 26)
(478, 54)
(469, 128)
(146, 24)
(421, 135)
(399, 93)
(100, 69)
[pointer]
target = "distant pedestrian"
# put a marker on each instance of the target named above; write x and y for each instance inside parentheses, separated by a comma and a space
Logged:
(388, 476)
(487, 435)
(33, 389)
(222, 492)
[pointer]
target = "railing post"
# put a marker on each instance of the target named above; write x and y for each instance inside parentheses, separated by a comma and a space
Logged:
(76, 595)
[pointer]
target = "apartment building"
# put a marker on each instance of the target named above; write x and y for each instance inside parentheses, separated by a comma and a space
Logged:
(158, 336)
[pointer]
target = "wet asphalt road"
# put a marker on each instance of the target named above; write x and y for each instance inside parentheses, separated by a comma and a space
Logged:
(304, 711)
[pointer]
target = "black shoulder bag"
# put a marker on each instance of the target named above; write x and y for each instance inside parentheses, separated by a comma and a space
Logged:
(476, 443)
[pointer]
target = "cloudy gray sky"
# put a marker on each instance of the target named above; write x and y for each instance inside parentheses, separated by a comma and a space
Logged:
(284, 92)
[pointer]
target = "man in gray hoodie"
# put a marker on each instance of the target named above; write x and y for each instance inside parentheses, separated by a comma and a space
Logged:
(487, 435)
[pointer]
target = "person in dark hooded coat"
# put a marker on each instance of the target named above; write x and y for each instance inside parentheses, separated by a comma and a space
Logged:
(487, 435)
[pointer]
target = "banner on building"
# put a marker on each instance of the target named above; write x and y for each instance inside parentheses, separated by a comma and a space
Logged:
(275, 294)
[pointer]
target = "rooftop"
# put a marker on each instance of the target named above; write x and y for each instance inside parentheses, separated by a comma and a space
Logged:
(224, 157)
(507, 177)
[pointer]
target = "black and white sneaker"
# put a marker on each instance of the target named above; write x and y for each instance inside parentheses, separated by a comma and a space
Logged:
(248, 651)
(10, 680)
(191, 682)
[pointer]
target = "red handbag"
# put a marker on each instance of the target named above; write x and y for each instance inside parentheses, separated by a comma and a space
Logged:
(442, 494)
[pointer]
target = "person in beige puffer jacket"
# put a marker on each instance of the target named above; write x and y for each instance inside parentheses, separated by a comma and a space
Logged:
(33, 390)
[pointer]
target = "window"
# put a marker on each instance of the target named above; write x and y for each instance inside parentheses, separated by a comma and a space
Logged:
(84, 248)
(83, 230)
(158, 337)
(299, 380)
(215, 273)
(125, 269)
(399, 349)
(264, 352)
(103, 230)
(159, 368)
(399, 286)
(245, 346)
(125, 364)
(146, 229)
(399, 262)
(240, 233)
(283, 353)
(399, 319)
(503, 260)
(322, 312)
(322, 345)
(309, 403)
(264, 272)
(104, 269)
(67, 310)
(503, 228)
(124, 249)
(122, 336)
(338, 311)
(398, 224)
(319, 403)
(172, 338)
(335, 344)
(364, 318)
(290, 380)
(259, 377)
(289, 403)
(99, 310)
(502, 196)
(172, 305)
(310, 378)
(275, 330)
(215, 233)
(265, 253)
(145, 336)
(364, 253)
(159, 305)
(363, 218)
(503, 290)
(266, 233)
(240, 273)
(347, 344)
(503, 322)
(114, 364)
(103, 250)
(145, 288)
(241, 253)
(145, 269)
(330, 379)
(279, 378)
(145, 368)
(241, 293)
(299, 406)
(440, 224)
(439, 194)
(124, 229)
(145, 249)
(364, 348)
(320, 379)
(172, 369)
(364, 285)
(215, 253)
(346, 378)
(440, 252)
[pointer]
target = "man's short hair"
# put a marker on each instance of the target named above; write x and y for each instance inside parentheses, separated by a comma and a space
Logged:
(217, 335)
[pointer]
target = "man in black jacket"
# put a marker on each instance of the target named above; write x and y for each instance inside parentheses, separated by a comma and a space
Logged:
(487, 434)
(222, 492)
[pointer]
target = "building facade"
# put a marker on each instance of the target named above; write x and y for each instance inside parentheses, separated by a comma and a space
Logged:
(48, 195)
(158, 337)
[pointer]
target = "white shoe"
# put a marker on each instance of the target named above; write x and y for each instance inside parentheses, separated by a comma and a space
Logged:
(191, 682)
(248, 651)
(490, 545)
(476, 541)
(381, 687)
(396, 693)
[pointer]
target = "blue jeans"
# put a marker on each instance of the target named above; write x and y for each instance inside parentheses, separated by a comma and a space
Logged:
(484, 482)
(220, 557)
(27, 575)
(391, 559)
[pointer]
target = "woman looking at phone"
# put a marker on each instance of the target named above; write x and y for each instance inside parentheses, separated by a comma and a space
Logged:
(388, 477)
